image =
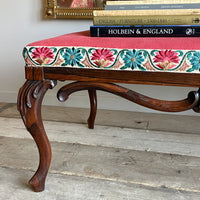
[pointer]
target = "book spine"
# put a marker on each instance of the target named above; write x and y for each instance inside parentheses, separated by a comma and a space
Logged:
(153, 6)
(147, 20)
(160, 12)
(152, 2)
(145, 31)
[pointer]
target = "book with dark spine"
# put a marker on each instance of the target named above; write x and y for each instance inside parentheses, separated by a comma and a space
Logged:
(146, 31)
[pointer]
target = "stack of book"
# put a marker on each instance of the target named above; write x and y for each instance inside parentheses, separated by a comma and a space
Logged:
(144, 18)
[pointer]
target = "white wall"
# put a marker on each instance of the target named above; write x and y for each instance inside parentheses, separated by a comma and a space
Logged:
(21, 23)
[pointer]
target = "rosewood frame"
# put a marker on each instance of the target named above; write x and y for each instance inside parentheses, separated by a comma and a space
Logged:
(40, 79)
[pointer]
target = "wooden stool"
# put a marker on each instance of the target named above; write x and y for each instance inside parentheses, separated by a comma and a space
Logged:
(97, 64)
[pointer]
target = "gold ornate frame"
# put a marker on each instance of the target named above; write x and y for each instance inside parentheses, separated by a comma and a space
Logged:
(53, 11)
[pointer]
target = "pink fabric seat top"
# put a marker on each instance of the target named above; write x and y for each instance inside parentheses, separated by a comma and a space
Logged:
(79, 50)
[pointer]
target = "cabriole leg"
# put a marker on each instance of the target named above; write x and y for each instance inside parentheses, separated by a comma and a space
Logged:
(29, 105)
(93, 108)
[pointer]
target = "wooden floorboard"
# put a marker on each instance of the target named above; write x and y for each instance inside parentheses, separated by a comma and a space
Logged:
(108, 136)
(108, 163)
(13, 186)
(138, 120)
(113, 164)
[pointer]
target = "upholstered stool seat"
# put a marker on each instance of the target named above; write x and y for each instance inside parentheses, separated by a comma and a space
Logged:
(78, 50)
(97, 64)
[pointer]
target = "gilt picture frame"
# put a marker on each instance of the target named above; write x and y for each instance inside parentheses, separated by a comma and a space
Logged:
(61, 9)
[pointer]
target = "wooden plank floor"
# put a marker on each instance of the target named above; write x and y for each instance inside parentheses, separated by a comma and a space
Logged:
(138, 120)
(107, 163)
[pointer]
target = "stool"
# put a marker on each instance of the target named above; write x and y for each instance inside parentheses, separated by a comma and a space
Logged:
(98, 64)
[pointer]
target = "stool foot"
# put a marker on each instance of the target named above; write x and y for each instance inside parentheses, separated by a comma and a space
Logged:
(93, 108)
(37, 183)
(29, 105)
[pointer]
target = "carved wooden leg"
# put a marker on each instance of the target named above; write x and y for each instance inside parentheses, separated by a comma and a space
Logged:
(29, 104)
(93, 108)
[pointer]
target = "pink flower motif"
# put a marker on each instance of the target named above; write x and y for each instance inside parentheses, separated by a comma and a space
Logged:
(184, 67)
(102, 57)
(43, 55)
(86, 63)
(148, 66)
(117, 65)
(166, 59)
(29, 62)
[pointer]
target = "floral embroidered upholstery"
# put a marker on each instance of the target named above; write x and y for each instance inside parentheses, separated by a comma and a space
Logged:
(79, 50)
